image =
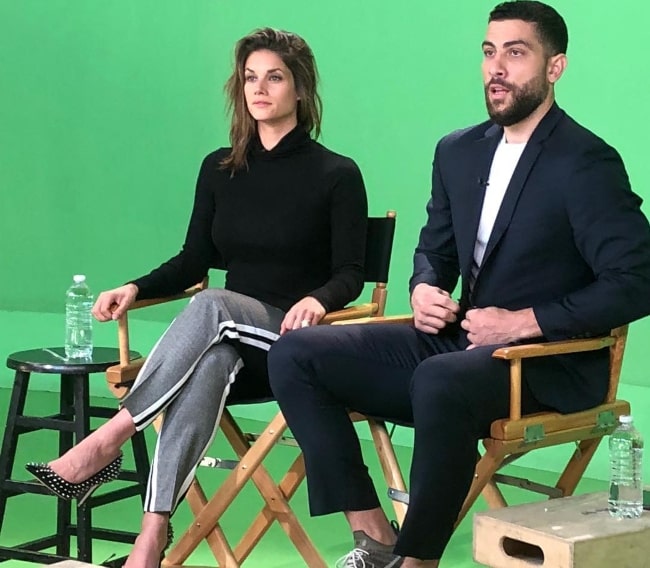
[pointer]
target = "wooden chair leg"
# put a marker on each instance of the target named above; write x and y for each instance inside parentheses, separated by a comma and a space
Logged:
(279, 510)
(493, 496)
(207, 518)
(264, 520)
(217, 541)
(577, 465)
(485, 468)
(277, 507)
(248, 467)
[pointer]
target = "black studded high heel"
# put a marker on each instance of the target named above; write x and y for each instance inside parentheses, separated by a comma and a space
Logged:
(69, 491)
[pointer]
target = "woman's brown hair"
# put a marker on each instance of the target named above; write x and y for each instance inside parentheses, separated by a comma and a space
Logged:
(298, 57)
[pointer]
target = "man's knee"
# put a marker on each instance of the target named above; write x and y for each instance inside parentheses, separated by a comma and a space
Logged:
(438, 383)
(301, 354)
(286, 357)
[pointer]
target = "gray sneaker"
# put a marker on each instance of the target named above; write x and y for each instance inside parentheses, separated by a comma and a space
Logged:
(368, 553)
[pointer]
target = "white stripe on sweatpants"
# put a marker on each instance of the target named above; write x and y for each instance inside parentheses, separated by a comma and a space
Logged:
(226, 329)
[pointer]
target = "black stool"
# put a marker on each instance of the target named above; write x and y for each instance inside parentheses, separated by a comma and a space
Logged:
(73, 420)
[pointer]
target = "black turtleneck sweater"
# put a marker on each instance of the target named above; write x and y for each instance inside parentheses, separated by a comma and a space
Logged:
(292, 225)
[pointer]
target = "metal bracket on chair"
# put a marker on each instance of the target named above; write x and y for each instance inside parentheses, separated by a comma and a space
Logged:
(218, 463)
(605, 421)
(552, 492)
(282, 441)
(397, 495)
(533, 433)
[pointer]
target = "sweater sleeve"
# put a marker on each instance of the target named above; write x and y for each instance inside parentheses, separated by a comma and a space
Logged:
(348, 221)
(198, 253)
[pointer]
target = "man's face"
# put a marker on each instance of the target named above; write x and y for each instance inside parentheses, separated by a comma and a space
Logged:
(515, 71)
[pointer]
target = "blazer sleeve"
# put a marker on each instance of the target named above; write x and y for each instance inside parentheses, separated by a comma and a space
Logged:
(435, 261)
(613, 237)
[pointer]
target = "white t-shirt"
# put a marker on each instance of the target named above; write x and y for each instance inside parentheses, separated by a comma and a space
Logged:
(503, 165)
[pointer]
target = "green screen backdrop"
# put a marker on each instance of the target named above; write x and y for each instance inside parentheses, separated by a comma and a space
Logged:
(107, 108)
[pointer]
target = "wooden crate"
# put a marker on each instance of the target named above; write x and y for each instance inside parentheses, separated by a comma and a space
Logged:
(573, 532)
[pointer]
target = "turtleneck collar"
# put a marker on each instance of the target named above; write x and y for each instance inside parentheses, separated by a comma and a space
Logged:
(290, 143)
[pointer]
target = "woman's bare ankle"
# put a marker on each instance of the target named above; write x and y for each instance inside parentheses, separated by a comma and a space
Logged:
(150, 544)
(80, 463)
(95, 451)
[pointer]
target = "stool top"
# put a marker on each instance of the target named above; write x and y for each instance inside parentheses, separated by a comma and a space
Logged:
(52, 360)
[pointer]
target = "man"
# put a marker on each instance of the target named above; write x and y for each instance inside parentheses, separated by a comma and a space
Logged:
(536, 214)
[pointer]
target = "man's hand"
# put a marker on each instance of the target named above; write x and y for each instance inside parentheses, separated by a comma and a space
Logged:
(433, 308)
(496, 326)
(308, 311)
(110, 305)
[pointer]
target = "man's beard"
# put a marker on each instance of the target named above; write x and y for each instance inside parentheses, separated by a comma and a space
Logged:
(525, 100)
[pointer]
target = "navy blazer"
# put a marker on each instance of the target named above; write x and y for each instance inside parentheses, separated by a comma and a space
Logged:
(569, 240)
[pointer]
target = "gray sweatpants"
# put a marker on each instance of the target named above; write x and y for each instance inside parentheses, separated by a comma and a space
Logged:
(188, 376)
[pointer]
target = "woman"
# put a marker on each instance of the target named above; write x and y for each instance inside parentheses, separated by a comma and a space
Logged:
(287, 219)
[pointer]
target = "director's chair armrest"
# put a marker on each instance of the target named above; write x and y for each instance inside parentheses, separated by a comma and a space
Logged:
(516, 353)
(553, 348)
(120, 377)
(191, 291)
(351, 312)
(401, 319)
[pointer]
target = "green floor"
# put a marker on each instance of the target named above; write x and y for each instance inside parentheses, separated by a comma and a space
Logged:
(31, 516)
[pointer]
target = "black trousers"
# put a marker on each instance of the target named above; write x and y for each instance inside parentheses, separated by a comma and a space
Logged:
(450, 395)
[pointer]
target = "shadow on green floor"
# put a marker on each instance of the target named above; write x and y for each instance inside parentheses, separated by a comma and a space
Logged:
(32, 516)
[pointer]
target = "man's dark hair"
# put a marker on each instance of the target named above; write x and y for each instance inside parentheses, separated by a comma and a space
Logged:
(550, 26)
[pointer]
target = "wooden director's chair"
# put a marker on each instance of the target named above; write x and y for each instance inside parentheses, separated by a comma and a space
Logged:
(515, 436)
(251, 449)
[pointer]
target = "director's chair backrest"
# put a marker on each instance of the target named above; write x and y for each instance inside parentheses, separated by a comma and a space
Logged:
(379, 247)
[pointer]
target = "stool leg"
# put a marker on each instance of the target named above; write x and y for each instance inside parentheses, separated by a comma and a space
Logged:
(82, 429)
(141, 459)
(10, 438)
(63, 507)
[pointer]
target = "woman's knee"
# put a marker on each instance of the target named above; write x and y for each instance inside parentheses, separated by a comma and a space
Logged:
(210, 296)
(221, 359)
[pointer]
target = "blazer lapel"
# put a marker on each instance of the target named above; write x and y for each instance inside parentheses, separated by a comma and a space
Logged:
(519, 177)
(480, 157)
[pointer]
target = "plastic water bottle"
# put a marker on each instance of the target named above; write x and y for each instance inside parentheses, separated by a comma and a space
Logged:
(78, 320)
(626, 476)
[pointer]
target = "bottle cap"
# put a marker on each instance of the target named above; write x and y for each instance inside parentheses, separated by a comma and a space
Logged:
(625, 419)
(79, 278)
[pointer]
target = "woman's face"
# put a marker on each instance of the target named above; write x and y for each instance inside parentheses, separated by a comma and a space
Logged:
(269, 90)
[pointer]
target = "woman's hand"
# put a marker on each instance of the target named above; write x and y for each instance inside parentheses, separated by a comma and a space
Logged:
(306, 312)
(110, 305)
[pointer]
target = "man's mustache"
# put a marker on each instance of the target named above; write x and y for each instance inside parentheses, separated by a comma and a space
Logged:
(501, 83)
